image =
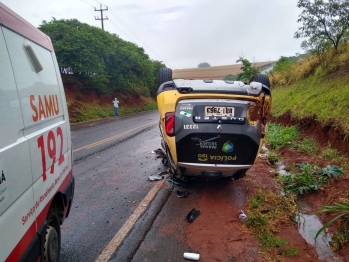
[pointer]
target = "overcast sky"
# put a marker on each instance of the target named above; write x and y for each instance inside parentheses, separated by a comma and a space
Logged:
(184, 33)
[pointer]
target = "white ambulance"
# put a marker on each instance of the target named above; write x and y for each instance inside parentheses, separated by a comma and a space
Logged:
(36, 181)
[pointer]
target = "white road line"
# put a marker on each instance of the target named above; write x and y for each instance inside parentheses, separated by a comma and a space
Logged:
(121, 234)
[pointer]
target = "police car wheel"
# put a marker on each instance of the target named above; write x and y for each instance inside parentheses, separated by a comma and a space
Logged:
(52, 245)
(164, 75)
(261, 78)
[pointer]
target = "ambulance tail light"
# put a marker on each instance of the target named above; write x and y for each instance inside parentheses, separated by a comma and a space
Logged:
(169, 123)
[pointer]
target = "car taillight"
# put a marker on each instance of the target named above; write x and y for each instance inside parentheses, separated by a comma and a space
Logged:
(169, 123)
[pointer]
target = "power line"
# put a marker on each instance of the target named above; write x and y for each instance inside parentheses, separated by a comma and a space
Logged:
(87, 3)
(133, 33)
(127, 28)
(120, 29)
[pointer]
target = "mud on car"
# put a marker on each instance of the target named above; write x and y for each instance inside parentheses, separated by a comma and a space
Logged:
(212, 128)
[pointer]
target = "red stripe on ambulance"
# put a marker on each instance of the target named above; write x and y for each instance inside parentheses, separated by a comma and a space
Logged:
(22, 245)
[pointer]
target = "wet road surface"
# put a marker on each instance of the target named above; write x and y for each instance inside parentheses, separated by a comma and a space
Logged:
(113, 159)
(110, 180)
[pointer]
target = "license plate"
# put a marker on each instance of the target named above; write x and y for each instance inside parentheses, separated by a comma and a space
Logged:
(219, 111)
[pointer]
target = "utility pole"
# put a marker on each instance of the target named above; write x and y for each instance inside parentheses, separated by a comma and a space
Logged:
(97, 18)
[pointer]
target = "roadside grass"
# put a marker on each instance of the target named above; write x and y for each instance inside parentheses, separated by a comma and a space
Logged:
(273, 157)
(94, 111)
(279, 136)
(310, 178)
(324, 99)
(314, 88)
(308, 145)
(303, 178)
(341, 212)
(266, 212)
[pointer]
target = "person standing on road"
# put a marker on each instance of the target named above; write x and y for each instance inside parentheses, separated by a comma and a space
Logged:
(116, 106)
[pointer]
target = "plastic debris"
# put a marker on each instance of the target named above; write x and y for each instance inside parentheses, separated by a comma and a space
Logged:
(191, 256)
(158, 176)
(182, 194)
(155, 177)
(242, 216)
(193, 214)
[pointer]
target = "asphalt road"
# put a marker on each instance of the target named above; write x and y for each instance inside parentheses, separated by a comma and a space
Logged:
(114, 219)
(112, 162)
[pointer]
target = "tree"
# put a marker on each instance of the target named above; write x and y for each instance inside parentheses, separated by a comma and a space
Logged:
(100, 60)
(283, 64)
(316, 46)
(247, 70)
(324, 20)
(204, 64)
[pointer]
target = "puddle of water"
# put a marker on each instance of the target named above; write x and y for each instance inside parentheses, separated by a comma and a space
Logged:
(308, 226)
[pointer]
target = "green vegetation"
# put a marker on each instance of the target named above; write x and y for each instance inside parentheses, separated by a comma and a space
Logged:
(273, 157)
(83, 111)
(310, 178)
(267, 211)
(279, 136)
(100, 60)
(314, 91)
(269, 242)
(341, 238)
(247, 70)
(308, 145)
(324, 20)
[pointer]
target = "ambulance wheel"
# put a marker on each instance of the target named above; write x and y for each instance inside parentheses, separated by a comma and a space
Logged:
(52, 245)
(261, 78)
(165, 74)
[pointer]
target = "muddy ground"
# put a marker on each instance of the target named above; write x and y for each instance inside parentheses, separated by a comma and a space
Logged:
(231, 239)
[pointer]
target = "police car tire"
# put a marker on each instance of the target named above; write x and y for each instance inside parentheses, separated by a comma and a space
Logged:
(52, 245)
(165, 74)
(261, 78)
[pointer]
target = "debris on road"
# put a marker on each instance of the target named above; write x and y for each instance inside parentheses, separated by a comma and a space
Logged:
(175, 181)
(158, 176)
(159, 153)
(242, 216)
(191, 256)
(155, 177)
(182, 194)
(193, 214)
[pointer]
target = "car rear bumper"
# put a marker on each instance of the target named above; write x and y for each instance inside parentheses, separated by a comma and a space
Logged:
(193, 169)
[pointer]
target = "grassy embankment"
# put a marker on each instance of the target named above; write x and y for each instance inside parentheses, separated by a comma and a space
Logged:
(316, 89)
(81, 110)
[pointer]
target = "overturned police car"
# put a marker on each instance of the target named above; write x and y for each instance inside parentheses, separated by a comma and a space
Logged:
(212, 128)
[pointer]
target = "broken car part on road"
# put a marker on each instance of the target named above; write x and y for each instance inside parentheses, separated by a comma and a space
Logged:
(193, 214)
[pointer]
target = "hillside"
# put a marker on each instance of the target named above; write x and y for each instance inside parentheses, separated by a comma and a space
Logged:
(214, 72)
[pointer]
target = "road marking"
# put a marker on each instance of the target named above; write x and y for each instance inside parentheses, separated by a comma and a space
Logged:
(121, 234)
(112, 137)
